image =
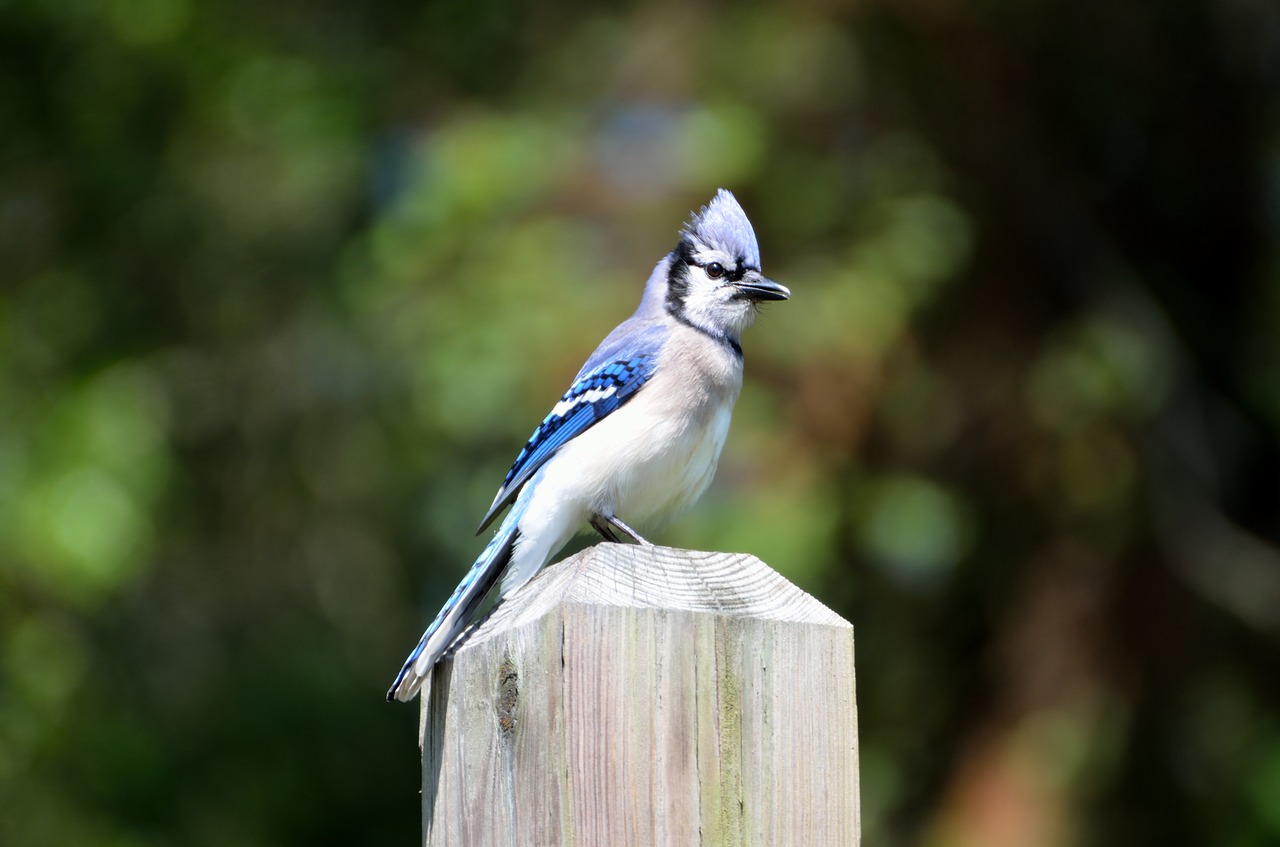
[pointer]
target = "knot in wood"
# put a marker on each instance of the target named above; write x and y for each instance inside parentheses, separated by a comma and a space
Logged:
(507, 699)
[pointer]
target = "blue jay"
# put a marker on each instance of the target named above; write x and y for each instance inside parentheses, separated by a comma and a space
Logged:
(637, 435)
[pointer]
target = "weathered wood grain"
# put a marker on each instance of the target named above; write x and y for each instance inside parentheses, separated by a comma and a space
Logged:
(646, 696)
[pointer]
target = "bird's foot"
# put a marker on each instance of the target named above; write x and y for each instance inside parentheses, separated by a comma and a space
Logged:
(606, 524)
(598, 523)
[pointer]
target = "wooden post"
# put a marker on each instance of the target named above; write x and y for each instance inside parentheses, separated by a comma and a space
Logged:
(646, 696)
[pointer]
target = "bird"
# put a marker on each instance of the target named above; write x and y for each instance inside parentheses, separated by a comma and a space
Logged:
(637, 437)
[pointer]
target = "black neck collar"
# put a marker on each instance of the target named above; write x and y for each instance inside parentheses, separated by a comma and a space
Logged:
(714, 335)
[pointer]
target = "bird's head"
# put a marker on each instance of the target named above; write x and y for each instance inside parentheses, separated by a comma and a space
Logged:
(713, 278)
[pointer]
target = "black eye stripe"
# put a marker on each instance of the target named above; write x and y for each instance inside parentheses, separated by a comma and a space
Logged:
(733, 275)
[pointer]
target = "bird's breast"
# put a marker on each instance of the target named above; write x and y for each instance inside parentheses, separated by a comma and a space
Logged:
(654, 457)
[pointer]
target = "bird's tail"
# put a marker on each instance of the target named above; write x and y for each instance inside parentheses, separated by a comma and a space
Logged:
(457, 611)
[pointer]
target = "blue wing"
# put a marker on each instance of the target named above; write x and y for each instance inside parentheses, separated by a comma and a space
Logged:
(595, 394)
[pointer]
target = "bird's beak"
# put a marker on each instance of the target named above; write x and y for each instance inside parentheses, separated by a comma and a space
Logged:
(753, 286)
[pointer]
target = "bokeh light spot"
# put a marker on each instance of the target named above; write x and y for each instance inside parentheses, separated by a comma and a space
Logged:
(914, 529)
(97, 524)
(146, 22)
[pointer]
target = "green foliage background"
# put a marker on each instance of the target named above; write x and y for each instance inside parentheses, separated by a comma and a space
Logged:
(284, 286)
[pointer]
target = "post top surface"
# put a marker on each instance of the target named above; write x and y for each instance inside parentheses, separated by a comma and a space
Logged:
(632, 576)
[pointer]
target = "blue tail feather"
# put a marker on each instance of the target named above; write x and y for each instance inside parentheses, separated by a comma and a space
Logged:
(457, 611)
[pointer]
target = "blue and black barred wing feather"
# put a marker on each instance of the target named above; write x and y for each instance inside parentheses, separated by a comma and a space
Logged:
(593, 396)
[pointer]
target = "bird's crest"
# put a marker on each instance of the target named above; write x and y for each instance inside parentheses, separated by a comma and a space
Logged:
(723, 225)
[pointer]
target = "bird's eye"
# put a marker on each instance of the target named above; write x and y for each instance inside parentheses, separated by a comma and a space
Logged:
(715, 270)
